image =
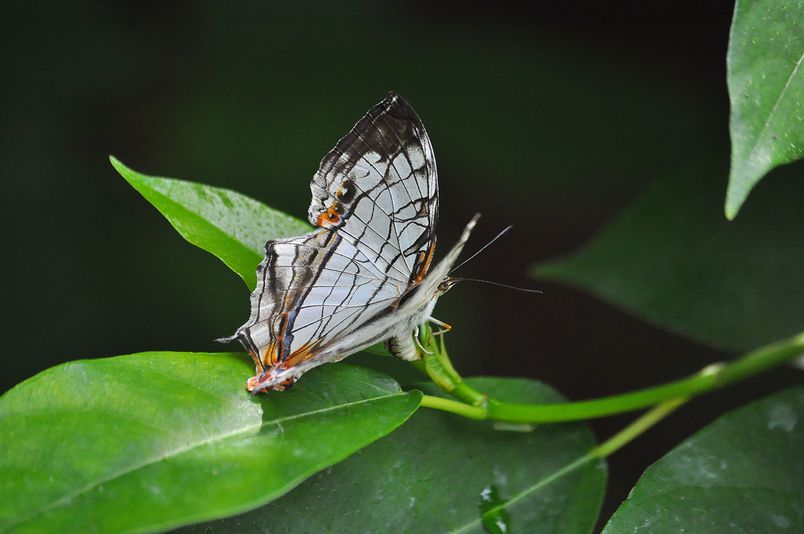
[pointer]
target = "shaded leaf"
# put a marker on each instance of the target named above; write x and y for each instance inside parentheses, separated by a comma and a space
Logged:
(742, 473)
(157, 440)
(229, 225)
(438, 472)
(766, 89)
(671, 259)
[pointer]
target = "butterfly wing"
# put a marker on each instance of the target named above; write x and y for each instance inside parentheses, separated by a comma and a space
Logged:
(375, 201)
(379, 188)
(310, 290)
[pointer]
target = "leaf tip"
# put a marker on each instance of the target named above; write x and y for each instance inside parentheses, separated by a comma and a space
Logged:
(731, 212)
(131, 176)
(544, 270)
(120, 167)
(734, 202)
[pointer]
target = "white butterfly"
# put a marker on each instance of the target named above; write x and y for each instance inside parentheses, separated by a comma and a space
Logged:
(362, 276)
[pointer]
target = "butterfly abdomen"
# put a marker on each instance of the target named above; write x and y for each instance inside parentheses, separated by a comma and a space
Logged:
(401, 343)
(403, 347)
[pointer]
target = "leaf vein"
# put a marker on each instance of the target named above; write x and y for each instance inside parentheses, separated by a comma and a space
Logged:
(775, 108)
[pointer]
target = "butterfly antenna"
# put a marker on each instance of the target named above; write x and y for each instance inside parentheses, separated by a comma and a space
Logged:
(484, 247)
(525, 289)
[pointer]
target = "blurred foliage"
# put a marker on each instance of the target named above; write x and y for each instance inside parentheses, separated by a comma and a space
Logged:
(672, 259)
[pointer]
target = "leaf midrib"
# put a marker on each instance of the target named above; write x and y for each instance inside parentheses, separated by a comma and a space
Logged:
(539, 484)
(181, 450)
(204, 221)
(773, 110)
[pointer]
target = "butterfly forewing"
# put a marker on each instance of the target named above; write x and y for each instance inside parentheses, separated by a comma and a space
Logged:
(379, 187)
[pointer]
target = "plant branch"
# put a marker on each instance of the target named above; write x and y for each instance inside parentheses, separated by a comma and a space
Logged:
(643, 423)
(453, 406)
(439, 369)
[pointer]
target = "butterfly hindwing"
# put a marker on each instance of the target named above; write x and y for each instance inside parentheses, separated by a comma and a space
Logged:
(310, 290)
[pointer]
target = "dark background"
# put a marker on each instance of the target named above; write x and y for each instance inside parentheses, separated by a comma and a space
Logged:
(551, 118)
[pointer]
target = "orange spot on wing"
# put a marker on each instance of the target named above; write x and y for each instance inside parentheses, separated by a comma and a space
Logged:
(330, 217)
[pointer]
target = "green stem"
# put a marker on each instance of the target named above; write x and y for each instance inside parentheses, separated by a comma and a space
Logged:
(439, 368)
(711, 378)
(458, 408)
(647, 420)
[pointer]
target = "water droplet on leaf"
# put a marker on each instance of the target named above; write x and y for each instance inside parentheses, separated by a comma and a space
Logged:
(494, 516)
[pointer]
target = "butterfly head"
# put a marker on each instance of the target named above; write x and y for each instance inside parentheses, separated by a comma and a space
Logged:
(446, 284)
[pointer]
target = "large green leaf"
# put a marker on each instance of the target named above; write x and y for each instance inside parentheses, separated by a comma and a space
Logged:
(433, 474)
(766, 88)
(227, 224)
(742, 473)
(673, 260)
(157, 440)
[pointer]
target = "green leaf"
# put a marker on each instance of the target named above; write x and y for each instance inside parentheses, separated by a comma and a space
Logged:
(228, 225)
(431, 475)
(742, 473)
(766, 89)
(156, 440)
(671, 259)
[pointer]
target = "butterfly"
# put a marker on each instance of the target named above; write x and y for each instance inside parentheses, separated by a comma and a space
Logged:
(363, 275)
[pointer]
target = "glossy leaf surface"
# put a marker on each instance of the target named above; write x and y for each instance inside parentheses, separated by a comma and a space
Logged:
(229, 225)
(742, 473)
(438, 472)
(157, 440)
(766, 88)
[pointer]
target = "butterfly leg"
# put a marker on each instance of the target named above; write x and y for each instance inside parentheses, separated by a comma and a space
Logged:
(419, 343)
(444, 326)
